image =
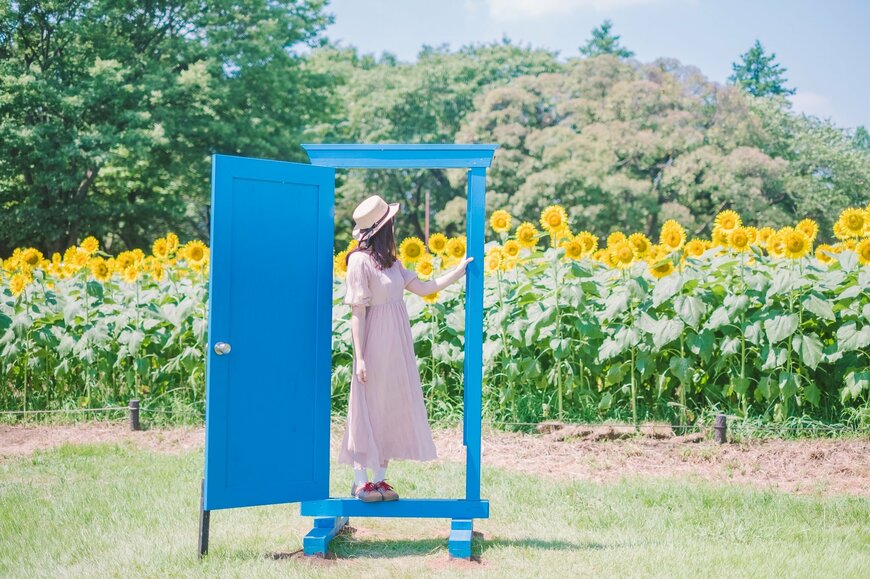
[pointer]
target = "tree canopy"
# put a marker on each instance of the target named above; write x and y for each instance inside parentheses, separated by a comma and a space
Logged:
(109, 109)
(759, 73)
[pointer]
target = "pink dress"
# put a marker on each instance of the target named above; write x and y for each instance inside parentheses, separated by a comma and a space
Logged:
(386, 416)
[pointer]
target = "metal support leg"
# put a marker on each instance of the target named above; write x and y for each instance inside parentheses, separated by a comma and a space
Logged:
(459, 544)
(203, 523)
(316, 542)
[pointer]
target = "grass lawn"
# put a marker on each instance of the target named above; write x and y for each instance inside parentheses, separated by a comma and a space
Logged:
(117, 510)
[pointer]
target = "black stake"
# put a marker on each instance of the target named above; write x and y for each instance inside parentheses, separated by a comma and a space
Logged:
(134, 414)
(203, 523)
(720, 429)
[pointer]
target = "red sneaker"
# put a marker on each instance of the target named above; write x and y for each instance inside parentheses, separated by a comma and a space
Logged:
(368, 493)
(386, 491)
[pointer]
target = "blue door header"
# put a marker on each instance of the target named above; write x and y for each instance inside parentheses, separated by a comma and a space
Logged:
(394, 156)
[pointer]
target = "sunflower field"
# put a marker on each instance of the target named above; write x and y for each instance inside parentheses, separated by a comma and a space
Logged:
(753, 321)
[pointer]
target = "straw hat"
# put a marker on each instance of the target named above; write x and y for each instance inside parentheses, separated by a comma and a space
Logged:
(370, 215)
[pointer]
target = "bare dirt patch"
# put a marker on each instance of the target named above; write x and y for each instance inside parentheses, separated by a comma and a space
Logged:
(813, 466)
(22, 439)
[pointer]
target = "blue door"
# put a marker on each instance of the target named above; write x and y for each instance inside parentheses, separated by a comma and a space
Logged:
(270, 333)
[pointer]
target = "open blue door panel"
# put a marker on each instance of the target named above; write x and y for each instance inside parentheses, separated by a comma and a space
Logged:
(270, 333)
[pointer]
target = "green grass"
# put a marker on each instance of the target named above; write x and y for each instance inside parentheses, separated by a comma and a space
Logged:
(110, 510)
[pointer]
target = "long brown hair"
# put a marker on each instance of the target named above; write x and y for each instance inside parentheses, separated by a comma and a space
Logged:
(381, 246)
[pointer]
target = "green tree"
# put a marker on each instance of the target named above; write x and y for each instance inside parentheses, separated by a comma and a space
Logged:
(109, 109)
(603, 41)
(626, 147)
(759, 74)
(383, 100)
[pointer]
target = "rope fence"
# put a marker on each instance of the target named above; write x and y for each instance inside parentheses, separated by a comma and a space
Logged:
(719, 426)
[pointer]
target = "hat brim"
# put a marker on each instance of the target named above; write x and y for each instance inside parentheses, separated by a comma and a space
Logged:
(394, 208)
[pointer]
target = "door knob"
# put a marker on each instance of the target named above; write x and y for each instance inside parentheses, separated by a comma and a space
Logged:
(221, 348)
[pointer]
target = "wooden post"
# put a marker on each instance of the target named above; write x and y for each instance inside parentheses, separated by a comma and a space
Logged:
(720, 429)
(427, 219)
(134, 414)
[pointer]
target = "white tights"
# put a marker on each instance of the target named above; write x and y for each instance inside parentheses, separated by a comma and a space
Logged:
(360, 476)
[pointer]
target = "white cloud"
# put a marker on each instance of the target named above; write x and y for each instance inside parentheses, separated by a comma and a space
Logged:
(518, 9)
(812, 103)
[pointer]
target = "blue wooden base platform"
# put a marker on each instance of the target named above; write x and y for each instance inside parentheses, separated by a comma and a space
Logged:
(330, 515)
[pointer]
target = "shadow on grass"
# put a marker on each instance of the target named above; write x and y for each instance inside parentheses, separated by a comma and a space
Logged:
(347, 546)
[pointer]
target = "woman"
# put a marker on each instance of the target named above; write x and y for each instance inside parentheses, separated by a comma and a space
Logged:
(386, 417)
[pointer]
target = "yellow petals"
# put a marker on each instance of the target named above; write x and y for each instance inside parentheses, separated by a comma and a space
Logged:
(527, 235)
(673, 236)
(437, 243)
(500, 221)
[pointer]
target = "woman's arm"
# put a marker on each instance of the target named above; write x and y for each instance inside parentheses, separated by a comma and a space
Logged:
(357, 332)
(430, 286)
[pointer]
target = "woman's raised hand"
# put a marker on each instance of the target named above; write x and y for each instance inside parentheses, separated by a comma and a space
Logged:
(462, 264)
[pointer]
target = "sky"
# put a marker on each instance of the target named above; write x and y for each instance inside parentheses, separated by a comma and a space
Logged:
(824, 45)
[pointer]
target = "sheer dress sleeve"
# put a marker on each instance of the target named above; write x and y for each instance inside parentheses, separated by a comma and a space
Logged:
(357, 289)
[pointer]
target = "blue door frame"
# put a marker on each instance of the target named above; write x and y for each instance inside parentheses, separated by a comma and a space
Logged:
(269, 179)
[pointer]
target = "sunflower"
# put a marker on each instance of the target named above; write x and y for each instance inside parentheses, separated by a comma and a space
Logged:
(863, 251)
(511, 248)
(131, 274)
(763, 235)
(18, 282)
(852, 222)
(728, 220)
(752, 233)
(673, 236)
(456, 247)
(500, 221)
(588, 241)
(438, 243)
(90, 244)
(160, 248)
(622, 255)
(719, 238)
(696, 247)
(601, 256)
(31, 256)
(527, 235)
(796, 243)
(573, 249)
(848, 244)
(825, 253)
(660, 265)
(508, 263)
(554, 218)
(493, 259)
(776, 243)
(738, 239)
(411, 249)
(157, 271)
(431, 298)
(351, 245)
(425, 267)
(195, 252)
(339, 263)
(100, 269)
(124, 260)
(56, 258)
(662, 269)
(640, 243)
(615, 238)
(171, 242)
(809, 227)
